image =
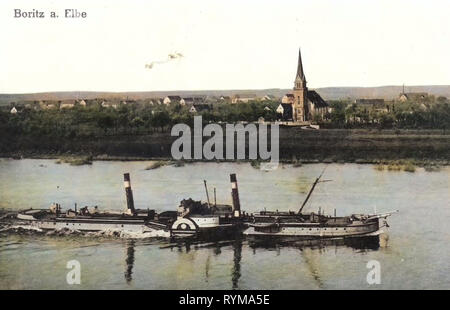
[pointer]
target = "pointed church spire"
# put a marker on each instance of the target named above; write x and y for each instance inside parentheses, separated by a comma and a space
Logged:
(300, 73)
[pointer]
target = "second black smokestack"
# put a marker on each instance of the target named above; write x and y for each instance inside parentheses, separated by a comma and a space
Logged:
(129, 193)
(235, 195)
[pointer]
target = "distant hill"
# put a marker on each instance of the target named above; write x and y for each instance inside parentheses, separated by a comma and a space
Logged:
(328, 93)
(384, 92)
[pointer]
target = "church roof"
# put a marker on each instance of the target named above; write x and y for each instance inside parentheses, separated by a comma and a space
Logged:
(300, 73)
(415, 95)
(315, 98)
(286, 106)
(287, 111)
(176, 98)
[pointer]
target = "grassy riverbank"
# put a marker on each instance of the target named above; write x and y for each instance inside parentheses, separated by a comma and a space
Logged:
(419, 147)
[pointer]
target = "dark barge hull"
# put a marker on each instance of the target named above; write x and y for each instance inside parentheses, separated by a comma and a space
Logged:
(227, 231)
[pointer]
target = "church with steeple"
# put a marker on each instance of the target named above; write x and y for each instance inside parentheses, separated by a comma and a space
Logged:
(305, 104)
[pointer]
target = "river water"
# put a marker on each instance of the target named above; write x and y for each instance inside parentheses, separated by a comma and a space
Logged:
(414, 254)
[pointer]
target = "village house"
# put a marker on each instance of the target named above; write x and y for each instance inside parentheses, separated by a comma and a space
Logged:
(267, 97)
(70, 103)
(192, 100)
(209, 99)
(192, 109)
(39, 104)
(280, 109)
(288, 98)
(109, 104)
(157, 101)
(48, 105)
(171, 99)
(243, 98)
(284, 112)
(187, 100)
(18, 107)
(195, 108)
(66, 104)
(225, 99)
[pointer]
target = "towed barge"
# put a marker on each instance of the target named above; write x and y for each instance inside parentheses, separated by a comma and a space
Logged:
(285, 224)
(298, 225)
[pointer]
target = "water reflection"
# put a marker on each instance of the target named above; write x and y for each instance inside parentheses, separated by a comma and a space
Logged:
(361, 243)
(309, 256)
(207, 267)
(129, 261)
(309, 250)
(216, 248)
(237, 256)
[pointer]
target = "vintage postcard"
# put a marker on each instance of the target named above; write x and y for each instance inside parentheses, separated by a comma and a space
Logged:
(224, 145)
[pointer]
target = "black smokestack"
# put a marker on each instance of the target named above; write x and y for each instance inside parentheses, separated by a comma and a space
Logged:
(129, 193)
(235, 195)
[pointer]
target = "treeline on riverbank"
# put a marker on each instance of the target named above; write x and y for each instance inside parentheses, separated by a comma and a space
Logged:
(94, 121)
(131, 119)
(428, 113)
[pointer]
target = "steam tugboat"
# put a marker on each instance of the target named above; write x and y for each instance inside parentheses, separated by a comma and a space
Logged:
(195, 218)
(192, 219)
(91, 219)
(315, 225)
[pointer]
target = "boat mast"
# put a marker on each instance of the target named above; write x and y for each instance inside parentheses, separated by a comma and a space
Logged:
(311, 190)
(207, 195)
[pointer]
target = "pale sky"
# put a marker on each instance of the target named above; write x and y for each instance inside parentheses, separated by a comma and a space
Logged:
(244, 44)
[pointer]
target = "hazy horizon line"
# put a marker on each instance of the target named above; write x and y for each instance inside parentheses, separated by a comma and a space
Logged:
(206, 90)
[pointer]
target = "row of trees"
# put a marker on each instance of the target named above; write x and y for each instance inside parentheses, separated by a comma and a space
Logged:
(408, 115)
(96, 121)
(126, 119)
